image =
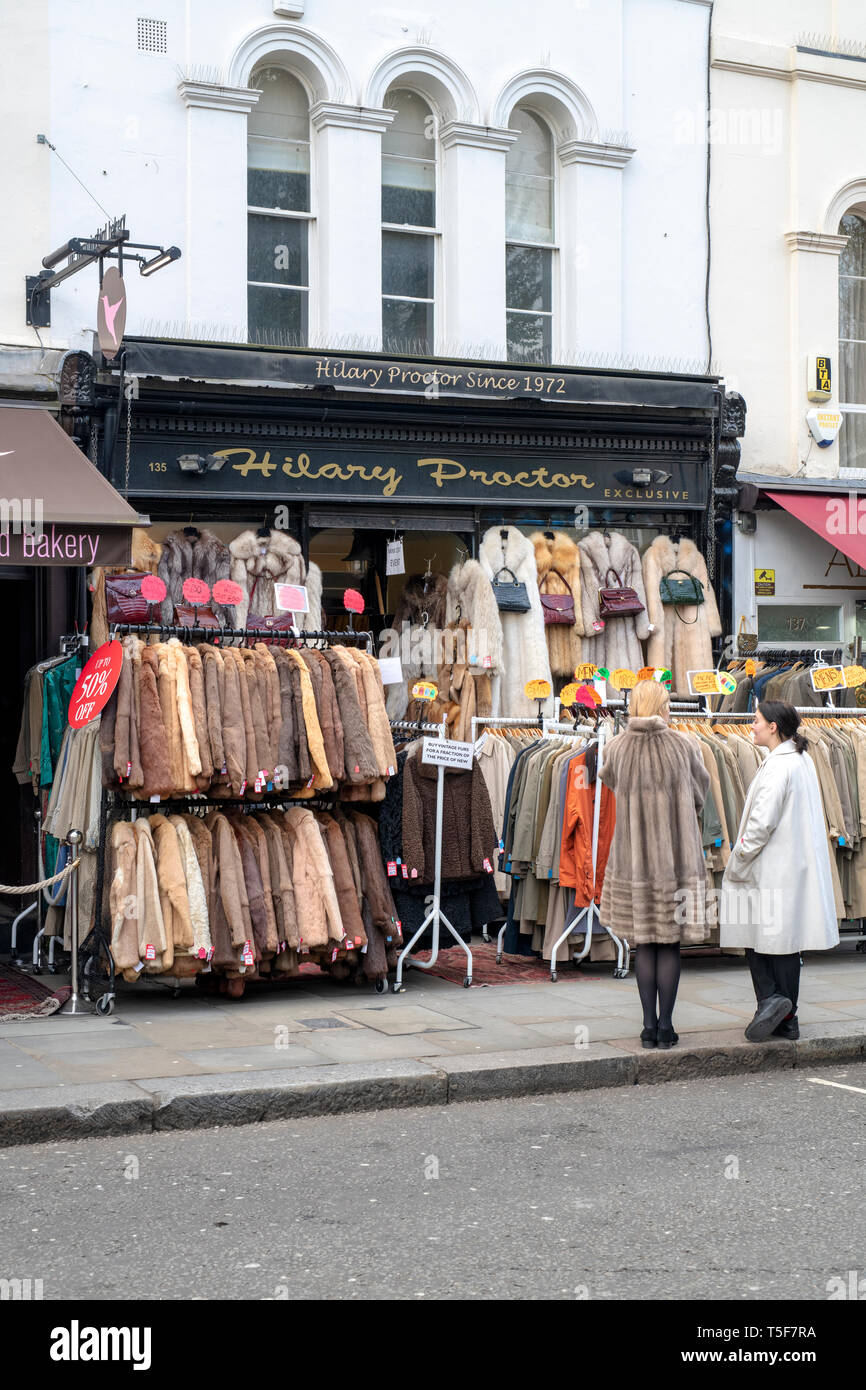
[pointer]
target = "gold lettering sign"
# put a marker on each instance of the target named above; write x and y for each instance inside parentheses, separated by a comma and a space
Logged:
(536, 690)
(445, 471)
(854, 675)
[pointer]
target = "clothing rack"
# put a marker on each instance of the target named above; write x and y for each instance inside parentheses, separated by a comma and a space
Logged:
(435, 917)
(223, 634)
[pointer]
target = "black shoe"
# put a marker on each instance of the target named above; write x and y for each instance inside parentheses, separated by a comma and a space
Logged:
(769, 1015)
(667, 1038)
(649, 1037)
(789, 1028)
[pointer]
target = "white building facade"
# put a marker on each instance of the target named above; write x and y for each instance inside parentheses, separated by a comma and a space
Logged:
(788, 289)
(339, 174)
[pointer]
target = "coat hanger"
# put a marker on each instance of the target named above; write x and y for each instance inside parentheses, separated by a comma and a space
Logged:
(264, 531)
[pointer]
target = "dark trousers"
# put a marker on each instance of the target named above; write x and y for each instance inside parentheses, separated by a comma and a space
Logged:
(775, 975)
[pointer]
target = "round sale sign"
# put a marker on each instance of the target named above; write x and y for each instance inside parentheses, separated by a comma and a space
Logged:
(95, 685)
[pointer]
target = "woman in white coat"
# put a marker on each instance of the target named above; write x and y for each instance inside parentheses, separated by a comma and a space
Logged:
(777, 893)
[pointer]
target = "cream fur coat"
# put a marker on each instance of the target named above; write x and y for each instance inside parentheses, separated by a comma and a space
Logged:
(619, 643)
(681, 644)
(557, 555)
(469, 598)
(258, 563)
(524, 647)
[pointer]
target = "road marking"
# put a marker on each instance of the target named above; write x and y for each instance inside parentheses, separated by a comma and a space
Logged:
(819, 1081)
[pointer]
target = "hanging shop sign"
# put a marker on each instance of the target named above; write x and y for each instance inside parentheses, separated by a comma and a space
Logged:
(111, 312)
(447, 752)
(836, 677)
(280, 469)
(711, 683)
(95, 685)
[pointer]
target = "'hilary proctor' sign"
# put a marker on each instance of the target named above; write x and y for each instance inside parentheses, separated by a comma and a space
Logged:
(489, 477)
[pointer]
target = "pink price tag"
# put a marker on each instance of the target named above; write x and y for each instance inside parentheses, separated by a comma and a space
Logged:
(310, 783)
(243, 787)
(150, 953)
(404, 870)
(201, 953)
(488, 866)
(392, 869)
(414, 873)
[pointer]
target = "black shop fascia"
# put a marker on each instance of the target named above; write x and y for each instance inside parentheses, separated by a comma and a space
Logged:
(317, 441)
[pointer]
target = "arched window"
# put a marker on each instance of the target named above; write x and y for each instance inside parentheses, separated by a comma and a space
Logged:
(278, 220)
(530, 239)
(852, 341)
(408, 220)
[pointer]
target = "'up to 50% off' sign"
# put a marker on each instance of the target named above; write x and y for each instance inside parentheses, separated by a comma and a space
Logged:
(95, 685)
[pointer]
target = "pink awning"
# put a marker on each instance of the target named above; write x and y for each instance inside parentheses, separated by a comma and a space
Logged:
(839, 518)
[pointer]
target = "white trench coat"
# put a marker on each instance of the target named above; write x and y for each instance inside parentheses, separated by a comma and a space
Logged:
(777, 893)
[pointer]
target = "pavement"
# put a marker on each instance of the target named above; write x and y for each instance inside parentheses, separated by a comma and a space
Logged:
(744, 1187)
(320, 1047)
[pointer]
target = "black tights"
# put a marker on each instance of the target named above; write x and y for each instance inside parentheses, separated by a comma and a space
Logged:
(657, 969)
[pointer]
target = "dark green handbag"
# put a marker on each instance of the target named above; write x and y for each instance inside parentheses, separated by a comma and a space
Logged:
(685, 592)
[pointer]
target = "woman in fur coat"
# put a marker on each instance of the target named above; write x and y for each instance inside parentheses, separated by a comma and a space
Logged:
(682, 640)
(524, 646)
(557, 564)
(618, 642)
(655, 882)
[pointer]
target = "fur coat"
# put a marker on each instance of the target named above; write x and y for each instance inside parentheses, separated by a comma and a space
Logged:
(524, 646)
(682, 640)
(258, 563)
(415, 649)
(557, 564)
(196, 556)
(469, 599)
(618, 644)
(655, 883)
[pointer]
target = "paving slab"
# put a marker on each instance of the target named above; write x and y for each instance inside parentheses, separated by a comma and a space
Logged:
(402, 1020)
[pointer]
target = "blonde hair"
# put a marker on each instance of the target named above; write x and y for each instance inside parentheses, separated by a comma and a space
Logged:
(649, 698)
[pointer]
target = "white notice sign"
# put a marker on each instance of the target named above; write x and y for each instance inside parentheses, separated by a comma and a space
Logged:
(291, 598)
(390, 670)
(394, 562)
(447, 752)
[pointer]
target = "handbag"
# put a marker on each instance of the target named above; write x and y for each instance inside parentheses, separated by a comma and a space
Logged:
(510, 597)
(274, 625)
(124, 601)
(688, 591)
(187, 616)
(747, 642)
(618, 601)
(558, 608)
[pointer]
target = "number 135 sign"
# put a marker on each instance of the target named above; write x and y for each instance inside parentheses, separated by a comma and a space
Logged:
(95, 685)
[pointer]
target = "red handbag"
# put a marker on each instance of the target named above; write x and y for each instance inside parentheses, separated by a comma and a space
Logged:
(558, 608)
(124, 601)
(273, 625)
(618, 602)
(187, 616)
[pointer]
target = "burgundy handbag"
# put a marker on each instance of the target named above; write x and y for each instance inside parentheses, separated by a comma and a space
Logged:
(558, 608)
(124, 601)
(618, 602)
(274, 625)
(187, 616)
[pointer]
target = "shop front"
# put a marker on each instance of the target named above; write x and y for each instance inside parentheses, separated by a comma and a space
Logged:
(349, 456)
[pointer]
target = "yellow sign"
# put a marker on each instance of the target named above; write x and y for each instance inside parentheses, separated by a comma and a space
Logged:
(765, 583)
(567, 695)
(587, 694)
(623, 680)
(646, 673)
(536, 690)
(827, 677)
(705, 683)
(854, 675)
(424, 691)
(751, 667)
(585, 671)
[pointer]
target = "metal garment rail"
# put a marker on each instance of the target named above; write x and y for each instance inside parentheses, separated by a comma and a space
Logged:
(435, 917)
(231, 634)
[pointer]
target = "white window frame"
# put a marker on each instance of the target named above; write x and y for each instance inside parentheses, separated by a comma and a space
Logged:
(438, 299)
(311, 217)
(552, 246)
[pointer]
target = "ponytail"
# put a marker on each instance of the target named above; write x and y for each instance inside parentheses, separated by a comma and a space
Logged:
(786, 720)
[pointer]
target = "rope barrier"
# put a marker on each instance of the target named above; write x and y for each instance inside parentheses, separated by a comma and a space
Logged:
(44, 883)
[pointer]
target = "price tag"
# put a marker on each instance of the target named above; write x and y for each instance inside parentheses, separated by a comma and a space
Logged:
(729, 685)
(196, 592)
(150, 952)
(705, 683)
(568, 695)
(291, 598)
(751, 667)
(226, 591)
(587, 695)
(854, 675)
(153, 588)
(622, 679)
(827, 677)
(536, 690)
(353, 601)
(394, 562)
(424, 691)
(585, 671)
